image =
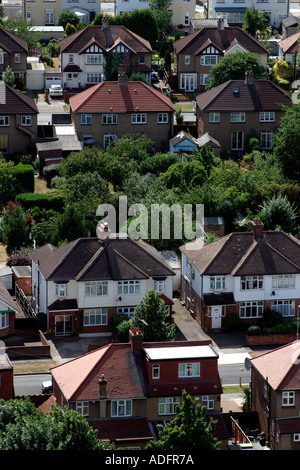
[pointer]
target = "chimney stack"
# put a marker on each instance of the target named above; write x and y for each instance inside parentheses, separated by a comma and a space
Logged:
(221, 24)
(105, 22)
(249, 77)
(122, 78)
(102, 387)
(257, 228)
(136, 339)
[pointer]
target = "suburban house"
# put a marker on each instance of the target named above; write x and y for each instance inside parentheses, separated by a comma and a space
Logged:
(243, 273)
(82, 285)
(289, 49)
(196, 53)
(239, 109)
(103, 113)
(275, 385)
(234, 10)
(8, 311)
(182, 10)
(126, 389)
(86, 10)
(83, 54)
(13, 53)
(18, 121)
(42, 13)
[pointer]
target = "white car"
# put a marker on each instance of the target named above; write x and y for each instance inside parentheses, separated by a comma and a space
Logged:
(56, 90)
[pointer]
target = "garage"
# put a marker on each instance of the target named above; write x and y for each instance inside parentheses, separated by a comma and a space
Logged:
(52, 80)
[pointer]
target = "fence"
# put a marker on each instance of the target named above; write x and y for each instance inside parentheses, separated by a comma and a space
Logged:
(22, 300)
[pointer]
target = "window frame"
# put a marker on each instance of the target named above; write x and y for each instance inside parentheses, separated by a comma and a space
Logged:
(159, 286)
(288, 397)
(188, 370)
(82, 407)
(61, 289)
(266, 140)
(248, 283)
(96, 288)
(4, 320)
(267, 116)
(138, 118)
(235, 136)
(214, 117)
(86, 119)
(3, 149)
(26, 120)
(5, 117)
(116, 407)
(287, 307)
(258, 305)
(217, 283)
(109, 119)
(208, 401)
(206, 60)
(162, 118)
(90, 56)
(155, 371)
(165, 402)
(281, 277)
(237, 116)
(121, 287)
(101, 313)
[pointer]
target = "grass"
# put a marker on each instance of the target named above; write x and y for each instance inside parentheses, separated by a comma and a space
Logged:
(185, 107)
(41, 366)
(40, 185)
(232, 389)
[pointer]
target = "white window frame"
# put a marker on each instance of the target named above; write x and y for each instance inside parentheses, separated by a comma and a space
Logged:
(108, 139)
(288, 398)
(139, 118)
(186, 19)
(187, 60)
(188, 370)
(17, 58)
(217, 282)
(238, 116)
(95, 317)
(94, 59)
(4, 121)
(60, 290)
(121, 408)
(204, 78)
(283, 281)
(162, 118)
(1, 57)
(252, 282)
(109, 118)
(160, 286)
(82, 407)
(49, 15)
(26, 120)
(128, 287)
(267, 116)
(266, 140)
(129, 311)
(167, 405)
(93, 77)
(86, 119)
(191, 79)
(209, 60)
(237, 146)
(214, 117)
(296, 437)
(155, 371)
(4, 320)
(285, 307)
(256, 309)
(208, 401)
(96, 288)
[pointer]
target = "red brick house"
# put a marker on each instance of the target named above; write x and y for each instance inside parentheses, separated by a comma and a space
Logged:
(125, 389)
(275, 384)
(243, 273)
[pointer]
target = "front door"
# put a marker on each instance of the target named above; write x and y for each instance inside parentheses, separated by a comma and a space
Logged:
(63, 325)
(216, 317)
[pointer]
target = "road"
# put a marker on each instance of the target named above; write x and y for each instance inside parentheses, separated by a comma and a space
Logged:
(30, 384)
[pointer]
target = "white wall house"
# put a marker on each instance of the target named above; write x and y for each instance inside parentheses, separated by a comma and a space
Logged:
(86, 10)
(242, 273)
(234, 10)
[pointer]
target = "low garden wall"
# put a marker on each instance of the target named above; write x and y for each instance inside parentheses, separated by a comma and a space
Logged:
(37, 349)
(257, 340)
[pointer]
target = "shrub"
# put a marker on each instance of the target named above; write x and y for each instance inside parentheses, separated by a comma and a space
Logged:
(254, 330)
(283, 328)
(51, 200)
(25, 178)
(270, 318)
(116, 320)
(49, 172)
(123, 331)
(232, 322)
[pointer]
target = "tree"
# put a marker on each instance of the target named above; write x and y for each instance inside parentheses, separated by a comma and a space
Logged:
(233, 67)
(286, 142)
(70, 226)
(24, 427)
(111, 66)
(7, 180)
(15, 228)
(163, 14)
(9, 77)
(22, 29)
(256, 23)
(189, 430)
(150, 318)
(67, 16)
(278, 212)
(70, 29)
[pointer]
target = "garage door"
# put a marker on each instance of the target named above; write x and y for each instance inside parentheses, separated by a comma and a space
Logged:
(52, 81)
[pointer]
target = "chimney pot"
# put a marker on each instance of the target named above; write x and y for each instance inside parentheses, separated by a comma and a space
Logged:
(257, 228)
(122, 78)
(102, 387)
(136, 339)
(249, 77)
(221, 24)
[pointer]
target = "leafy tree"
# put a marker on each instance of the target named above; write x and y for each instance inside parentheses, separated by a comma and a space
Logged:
(233, 67)
(23, 427)
(70, 29)
(67, 17)
(282, 73)
(189, 430)
(9, 77)
(163, 14)
(22, 29)
(278, 212)
(138, 77)
(158, 163)
(70, 226)
(256, 23)
(7, 180)
(150, 318)
(286, 144)
(15, 229)
(111, 66)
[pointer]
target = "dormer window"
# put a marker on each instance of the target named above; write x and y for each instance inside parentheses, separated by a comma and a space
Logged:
(156, 371)
(188, 370)
(61, 290)
(217, 283)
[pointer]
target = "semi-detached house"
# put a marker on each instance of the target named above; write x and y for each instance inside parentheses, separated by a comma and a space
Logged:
(243, 273)
(81, 285)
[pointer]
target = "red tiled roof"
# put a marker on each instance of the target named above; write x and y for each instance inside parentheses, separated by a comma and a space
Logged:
(120, 98)
(222, 40)
(290, 44)
(263, 95)
(17, 102)
(281, 366)
(125, 429)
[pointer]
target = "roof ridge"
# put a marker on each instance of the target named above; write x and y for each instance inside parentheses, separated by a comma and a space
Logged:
(23, 98)
(90, 263)
(75, 243)
(228, 237)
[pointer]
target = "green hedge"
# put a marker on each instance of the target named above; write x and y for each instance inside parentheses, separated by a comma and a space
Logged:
(24, 175)
(51, 200)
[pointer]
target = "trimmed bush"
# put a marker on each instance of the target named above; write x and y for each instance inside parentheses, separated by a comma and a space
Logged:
(25, 178)
(123, 331)
(115, 322)
(232, 322)
(51, 200)
(254, 330)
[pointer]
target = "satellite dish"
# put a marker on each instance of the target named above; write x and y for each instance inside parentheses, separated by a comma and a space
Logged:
(247, 363)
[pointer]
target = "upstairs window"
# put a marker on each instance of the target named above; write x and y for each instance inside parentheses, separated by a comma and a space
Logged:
(61, 290)
(155, 371)
(109, 119)
(4, 121)
(86, 119)
(209, 60)
(238, 117)
(26, 120)
(121, 408)
(214, 117)
(93, 59)
(252, 282)
(187, 370)
(217, 283)
(139, 118)
(267, 116)
(95, 288)
(288, 398)
(128, 287)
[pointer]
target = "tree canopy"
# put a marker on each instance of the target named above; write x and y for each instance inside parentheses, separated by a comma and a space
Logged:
(286, 143)
(256, 22)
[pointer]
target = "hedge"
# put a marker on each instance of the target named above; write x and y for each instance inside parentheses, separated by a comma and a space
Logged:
(51, 200)
(24, 175)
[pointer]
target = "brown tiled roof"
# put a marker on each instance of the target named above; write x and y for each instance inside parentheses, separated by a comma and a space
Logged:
(288, 425)
(63, 305)
(222, 40)
(263, 95)
(240, 254)
(72, 68)
(281, 366)
(116, 430)
(291, 44)
(11, 43)
(106, 39)
(88, 259)
(120, 98)
(17, 102)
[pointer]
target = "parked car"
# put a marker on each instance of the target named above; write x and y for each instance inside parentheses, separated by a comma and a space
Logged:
(47, 386)
(56, 90)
